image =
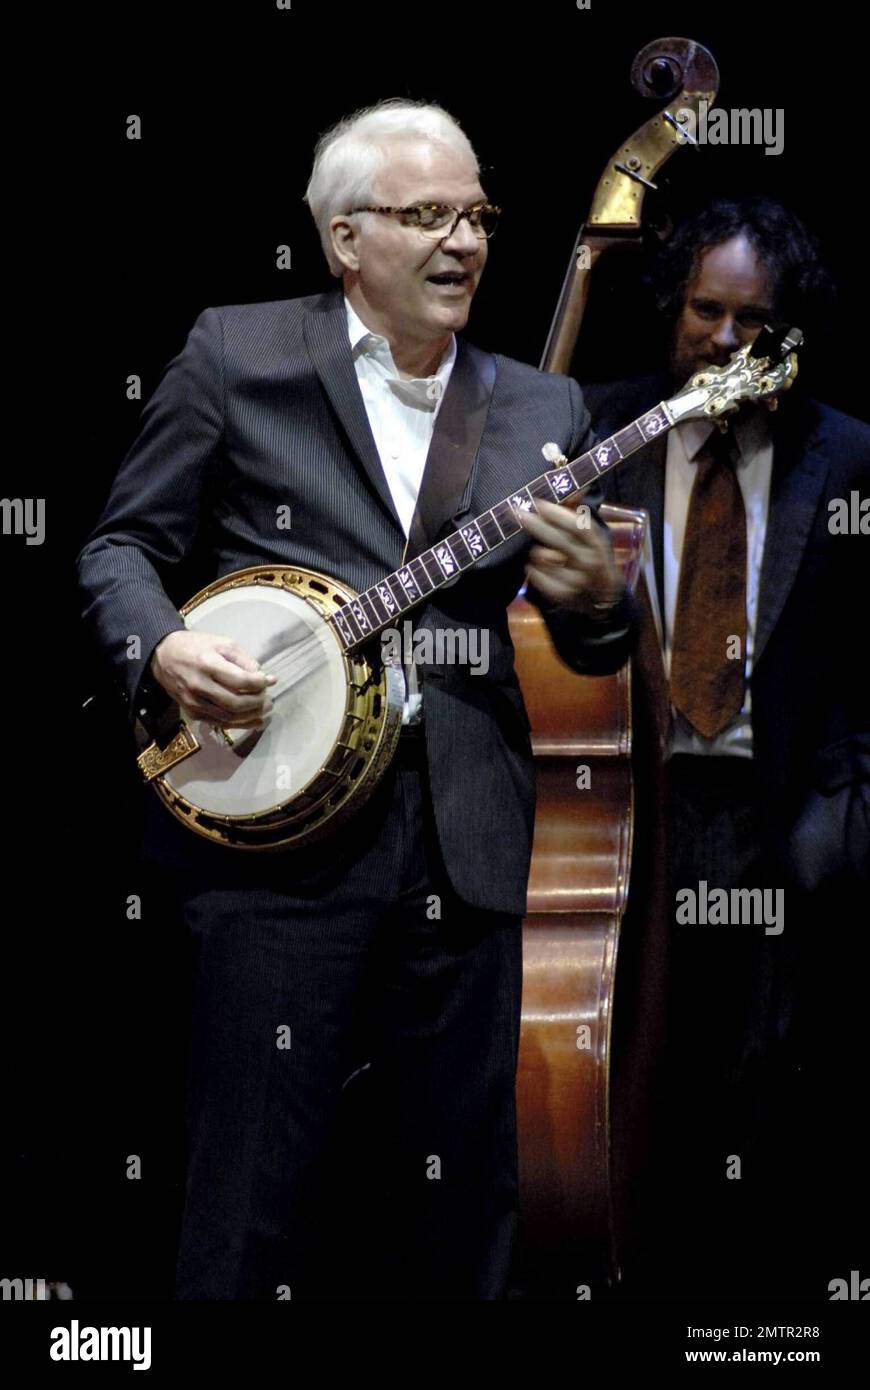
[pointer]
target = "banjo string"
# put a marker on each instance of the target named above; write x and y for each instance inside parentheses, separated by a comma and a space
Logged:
(290, 665)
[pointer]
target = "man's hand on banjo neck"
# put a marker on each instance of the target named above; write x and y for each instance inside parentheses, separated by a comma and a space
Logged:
(572, 564)
(213, 678)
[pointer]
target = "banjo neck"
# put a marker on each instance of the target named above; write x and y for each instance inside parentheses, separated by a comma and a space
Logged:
(376, 608)
(756, 372)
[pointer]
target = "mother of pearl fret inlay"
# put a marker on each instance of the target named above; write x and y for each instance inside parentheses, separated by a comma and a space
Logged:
(444, 556)
(406, 579)
(473, 539)
(607, 454)
(561, 482)
(360, 616)
(386, 598)
(651, 424)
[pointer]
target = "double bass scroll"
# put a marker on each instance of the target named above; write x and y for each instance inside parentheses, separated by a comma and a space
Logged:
(681, 73)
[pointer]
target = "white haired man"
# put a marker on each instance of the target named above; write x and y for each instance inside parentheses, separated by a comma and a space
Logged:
(398, 942)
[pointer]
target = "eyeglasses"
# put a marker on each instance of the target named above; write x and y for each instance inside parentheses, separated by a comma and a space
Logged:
(438, 221)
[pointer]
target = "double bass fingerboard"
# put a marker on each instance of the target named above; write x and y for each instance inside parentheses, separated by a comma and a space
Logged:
(363, 617)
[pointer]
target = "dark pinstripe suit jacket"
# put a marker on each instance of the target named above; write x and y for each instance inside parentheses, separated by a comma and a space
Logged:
(262, 409)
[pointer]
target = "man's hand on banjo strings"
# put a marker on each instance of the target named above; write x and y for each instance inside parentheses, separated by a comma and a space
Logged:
(573, 565)
(213, 678)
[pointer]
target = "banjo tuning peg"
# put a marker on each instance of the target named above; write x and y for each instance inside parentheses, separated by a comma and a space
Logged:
(553, 454)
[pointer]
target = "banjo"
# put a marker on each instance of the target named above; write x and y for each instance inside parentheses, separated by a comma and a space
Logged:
(338, 697)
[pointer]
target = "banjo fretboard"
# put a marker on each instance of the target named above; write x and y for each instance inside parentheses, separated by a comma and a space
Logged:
(379, 606)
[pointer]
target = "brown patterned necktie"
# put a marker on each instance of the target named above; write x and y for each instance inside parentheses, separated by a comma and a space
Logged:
(708, 653)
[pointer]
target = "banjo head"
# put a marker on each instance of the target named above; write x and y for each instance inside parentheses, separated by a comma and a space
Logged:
(332, 731)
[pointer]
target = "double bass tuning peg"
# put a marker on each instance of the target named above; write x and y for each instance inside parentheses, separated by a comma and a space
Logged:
(682, 129)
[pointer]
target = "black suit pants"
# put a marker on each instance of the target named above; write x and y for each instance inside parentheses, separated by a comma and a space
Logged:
(729, 1071)
(313, 971)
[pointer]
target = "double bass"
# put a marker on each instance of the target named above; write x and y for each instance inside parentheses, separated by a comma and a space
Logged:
(594, 939)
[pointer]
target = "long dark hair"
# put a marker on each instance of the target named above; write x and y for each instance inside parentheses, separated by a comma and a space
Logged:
(803, 289)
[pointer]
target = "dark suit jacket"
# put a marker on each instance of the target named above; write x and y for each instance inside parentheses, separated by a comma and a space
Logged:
(262, 409)
(810, 699)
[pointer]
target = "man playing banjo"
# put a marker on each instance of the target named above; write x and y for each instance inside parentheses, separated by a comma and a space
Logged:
(394, 942)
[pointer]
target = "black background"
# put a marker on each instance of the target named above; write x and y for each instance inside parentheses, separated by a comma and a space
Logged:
(117, 246)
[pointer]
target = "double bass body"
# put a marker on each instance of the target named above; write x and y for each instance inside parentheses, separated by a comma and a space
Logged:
(595, 965)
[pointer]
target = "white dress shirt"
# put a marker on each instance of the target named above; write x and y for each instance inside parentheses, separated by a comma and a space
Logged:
(402, 415)
(754, 463)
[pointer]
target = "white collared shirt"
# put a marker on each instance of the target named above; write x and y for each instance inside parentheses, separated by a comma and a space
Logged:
(401, 413)
(754, 464)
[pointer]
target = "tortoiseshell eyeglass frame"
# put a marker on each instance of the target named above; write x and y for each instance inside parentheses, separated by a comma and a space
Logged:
(440, 233)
